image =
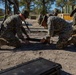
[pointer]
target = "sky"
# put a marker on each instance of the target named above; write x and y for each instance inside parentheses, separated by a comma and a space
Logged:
(54, 6)
(2, 6)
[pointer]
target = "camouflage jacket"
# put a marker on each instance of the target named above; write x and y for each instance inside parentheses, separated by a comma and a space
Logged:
(57, 24)
(12, 26)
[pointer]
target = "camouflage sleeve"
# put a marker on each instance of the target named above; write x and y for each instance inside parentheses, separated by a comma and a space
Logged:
(19, 31)
(73, 12)
(24, 31)
(50, 27)
(74, 19)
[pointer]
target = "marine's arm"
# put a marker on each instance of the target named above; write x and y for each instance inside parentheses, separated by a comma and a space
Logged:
(19, 31)
(24, 31)
(50, 27)
(72, 13)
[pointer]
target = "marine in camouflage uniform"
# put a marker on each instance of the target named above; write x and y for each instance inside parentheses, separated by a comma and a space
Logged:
(40, 17)
(55, 12)
(73, 14)
(74, 19)
(13, 29)
(64, 29)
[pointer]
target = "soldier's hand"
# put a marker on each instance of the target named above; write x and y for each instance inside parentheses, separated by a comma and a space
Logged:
(25, 41)
(43, 40)
(28, 36)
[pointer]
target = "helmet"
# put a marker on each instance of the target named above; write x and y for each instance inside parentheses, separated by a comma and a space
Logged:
(25, 13)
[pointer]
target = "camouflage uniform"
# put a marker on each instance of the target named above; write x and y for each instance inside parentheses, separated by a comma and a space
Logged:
(73, 14)
(40, 18)
(74, 19)
(55, 12)
(56, 24)
(12, 26)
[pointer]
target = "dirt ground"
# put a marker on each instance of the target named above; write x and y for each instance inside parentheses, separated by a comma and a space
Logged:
(66, 57)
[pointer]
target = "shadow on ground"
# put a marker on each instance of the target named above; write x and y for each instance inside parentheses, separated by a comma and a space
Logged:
(39, 46)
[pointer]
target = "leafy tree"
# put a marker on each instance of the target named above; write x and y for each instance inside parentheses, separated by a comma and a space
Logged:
(16, 6)
(71, 2)
(62, 3)
(8, 3)
(26, 4)
(43, 5)
(1, 12)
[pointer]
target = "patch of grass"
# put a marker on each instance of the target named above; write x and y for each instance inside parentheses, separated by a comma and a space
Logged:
(1, 17)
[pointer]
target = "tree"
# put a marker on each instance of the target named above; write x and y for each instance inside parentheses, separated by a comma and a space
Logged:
(8, 4)
(26, 4)
(16, 6)
(1, 12)
(44, 5)
(62, 3)
(72, 2)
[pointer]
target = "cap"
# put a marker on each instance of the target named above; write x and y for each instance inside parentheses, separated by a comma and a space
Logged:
(25, 13)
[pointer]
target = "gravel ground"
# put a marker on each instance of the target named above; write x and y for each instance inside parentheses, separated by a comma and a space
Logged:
(66, 57)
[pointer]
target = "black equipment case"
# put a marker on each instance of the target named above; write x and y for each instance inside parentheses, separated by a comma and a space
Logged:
(39, 66)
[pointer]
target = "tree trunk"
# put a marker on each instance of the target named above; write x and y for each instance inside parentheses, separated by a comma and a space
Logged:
(44, 7)
(28, 6)
(16, 7)
(6, 7)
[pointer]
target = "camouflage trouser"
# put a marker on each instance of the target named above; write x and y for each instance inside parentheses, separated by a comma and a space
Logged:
(61, 44)
(40, 20)
(73, 40)
(14, 42)
(64, 43)
(3, 42)
(10, 42)
(64, 37)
